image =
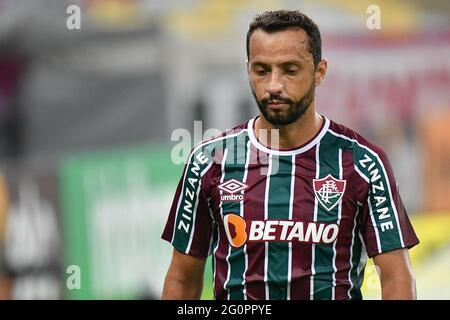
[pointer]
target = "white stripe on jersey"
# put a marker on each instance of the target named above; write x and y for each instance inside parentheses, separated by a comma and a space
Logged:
(363, 258)
(362, 175)
(244, 180)
(291, 208)
(211, 213)
(351, 252)
(266, 217)
(313, 246)
(341, 175)
(225, 155)
(374, 223)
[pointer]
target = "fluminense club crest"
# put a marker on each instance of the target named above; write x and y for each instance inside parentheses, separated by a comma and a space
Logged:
(329, 191)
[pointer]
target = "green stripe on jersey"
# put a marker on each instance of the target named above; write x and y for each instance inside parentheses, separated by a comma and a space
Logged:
(279, 197)
(235, 169)
(328, 157)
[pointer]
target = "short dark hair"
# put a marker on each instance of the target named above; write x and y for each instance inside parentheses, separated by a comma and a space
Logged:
(273, 21)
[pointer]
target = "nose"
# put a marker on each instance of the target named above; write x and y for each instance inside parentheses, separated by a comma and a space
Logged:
(275, 85)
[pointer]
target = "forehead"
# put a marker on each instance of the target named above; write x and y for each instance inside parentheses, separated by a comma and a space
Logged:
(290, 44)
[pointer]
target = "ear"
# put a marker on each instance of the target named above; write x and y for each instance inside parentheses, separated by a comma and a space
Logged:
(320, 72)
(247, 66)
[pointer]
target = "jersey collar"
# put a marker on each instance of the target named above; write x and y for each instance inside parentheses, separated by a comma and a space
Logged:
(303, 148)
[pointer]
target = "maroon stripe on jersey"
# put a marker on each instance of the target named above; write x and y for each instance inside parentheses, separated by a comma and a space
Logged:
(254, 209)
(220, 251)
(344, 239)
(221, 266)
(304, 199)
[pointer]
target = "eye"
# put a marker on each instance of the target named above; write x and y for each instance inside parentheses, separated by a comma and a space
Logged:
(292, 71)
(260, 72)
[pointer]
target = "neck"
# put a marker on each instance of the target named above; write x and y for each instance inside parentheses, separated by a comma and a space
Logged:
(290, 136)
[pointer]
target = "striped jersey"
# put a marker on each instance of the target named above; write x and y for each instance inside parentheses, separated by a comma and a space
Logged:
(288, 224)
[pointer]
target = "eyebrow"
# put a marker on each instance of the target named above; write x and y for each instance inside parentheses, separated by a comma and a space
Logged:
(291, 63)
(284, 64)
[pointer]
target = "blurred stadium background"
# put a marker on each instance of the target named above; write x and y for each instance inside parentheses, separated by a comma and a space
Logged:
(86, 118)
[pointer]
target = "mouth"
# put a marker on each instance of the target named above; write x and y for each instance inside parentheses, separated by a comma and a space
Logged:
(277, 105)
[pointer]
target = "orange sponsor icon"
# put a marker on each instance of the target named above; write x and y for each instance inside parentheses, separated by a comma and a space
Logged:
(235, 229)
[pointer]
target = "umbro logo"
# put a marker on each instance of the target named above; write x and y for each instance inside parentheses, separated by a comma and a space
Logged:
(231, 187)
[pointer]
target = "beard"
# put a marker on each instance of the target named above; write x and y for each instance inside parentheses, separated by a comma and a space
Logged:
(296, 110)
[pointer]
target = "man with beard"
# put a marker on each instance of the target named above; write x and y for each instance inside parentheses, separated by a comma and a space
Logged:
(291, 215)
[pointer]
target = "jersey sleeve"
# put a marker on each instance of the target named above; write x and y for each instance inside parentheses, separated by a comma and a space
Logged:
(385, 224)
(189, 224)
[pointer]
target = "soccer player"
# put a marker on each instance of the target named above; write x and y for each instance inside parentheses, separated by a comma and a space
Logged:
(296, 212)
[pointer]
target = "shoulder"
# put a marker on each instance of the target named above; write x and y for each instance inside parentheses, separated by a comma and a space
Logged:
(224, 136)
(212, 148)
(360, 146)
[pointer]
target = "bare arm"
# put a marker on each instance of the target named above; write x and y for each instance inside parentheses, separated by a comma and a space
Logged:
(184, 280)
(396, 276)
